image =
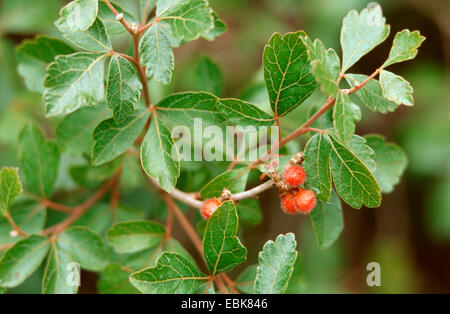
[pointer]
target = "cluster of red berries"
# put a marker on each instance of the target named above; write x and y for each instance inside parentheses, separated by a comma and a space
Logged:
(297, 200)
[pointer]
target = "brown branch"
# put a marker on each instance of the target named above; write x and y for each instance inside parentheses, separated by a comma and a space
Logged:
(120, 17)
(14, 226)
(231, 284)
(56, 206)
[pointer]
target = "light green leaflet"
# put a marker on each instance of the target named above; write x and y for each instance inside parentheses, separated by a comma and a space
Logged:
(113, 26)
(34, 57)
(78, 15)
(159, 155)
(112, 139)
(354, 182)
(39, 162)
(286, 72)
(233, 180)
(345, 114)
(390, 162)
(156, 52)
(21, 260)
(396, 88)
(135, 236)
(222, 249)
(275, 265)
(188, 19)
(371, 94)
(73, 81)
(85, 247)
(404, 47)
(94, 39)
(244, 114)
(123, 88)
(219, 28)
(173, 273)
(328, 221)
(317, 165)
(361, 33)
(10, 187)
(114, 280)
(246, 279)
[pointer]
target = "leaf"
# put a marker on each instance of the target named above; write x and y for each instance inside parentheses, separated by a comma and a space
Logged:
(10, 187)
(404, 47)
(276, 263)
(365, 153)
(73, 81)
(135, 236)
(93, 39)
(328, 221)
(317, 166)
(159, 155)
(39, 162)
(242, 113)
(60, 269)
(246, 280)
(361, 33)
(354, 182)
(114, 280)
(390, 160)
(345, 115)
(74, 133)
(249, 212)
(188, 19)
(173, 274)
(78, 15)
(113, 26)
(286, 72)
(123, 88)
(208, 77)
(371, 94)
(128, 213)
(222, 249)
(233, 180)
(156, 52)
(34, 57)
(396, 88)
(85, 247)
(21, 260)
(146, 7)
(219, 28)
(112, 139)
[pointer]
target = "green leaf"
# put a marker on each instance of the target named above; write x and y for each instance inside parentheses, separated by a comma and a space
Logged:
(10, 187)
(345, 115)
(233, 180)
(354, 182)
(328, 221)
(222, 249)
(157, 54)
(188, 19)
(317, 166)
(276, 263)
(249, 212)
(74, 133)
(390, 160)
(404, 47)
(39, 162)
(159, 155)
(93, 39)
(371, 94)
(219, 28)
(365, 153)
(128, 213)
(115, 280)
(396, 88)
(78, 15)
(85, 247)
(123, 88)
(208, 77)
(242, 113)
(135, 236)
(59, 271)
(112, 139)
(113, 26)
(325, 65)
(361, 33)
(146, 7)
(246, 280)
(286, 72)
(34, 57)
(173, 273)
(73, 81)
(21, 260)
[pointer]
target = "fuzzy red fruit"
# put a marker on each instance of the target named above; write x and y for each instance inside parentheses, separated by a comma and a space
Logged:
(294, 176)
(209, 207)
(288, 204)
(305, 201)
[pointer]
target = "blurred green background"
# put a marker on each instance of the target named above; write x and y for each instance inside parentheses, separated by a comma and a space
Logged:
(409, 235)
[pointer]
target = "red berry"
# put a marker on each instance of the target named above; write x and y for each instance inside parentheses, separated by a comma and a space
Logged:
(305, 201)
(288, 204)
(209, 207)
(294, 176)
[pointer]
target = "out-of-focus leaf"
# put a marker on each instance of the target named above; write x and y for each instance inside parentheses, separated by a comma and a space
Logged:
(208, 77)
(219, 28)
(249, 212)
(233, 180)
(246, 280)
(10, 187)
(114, 280)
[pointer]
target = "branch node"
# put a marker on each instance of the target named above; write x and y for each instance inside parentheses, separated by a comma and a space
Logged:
(119, 17)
